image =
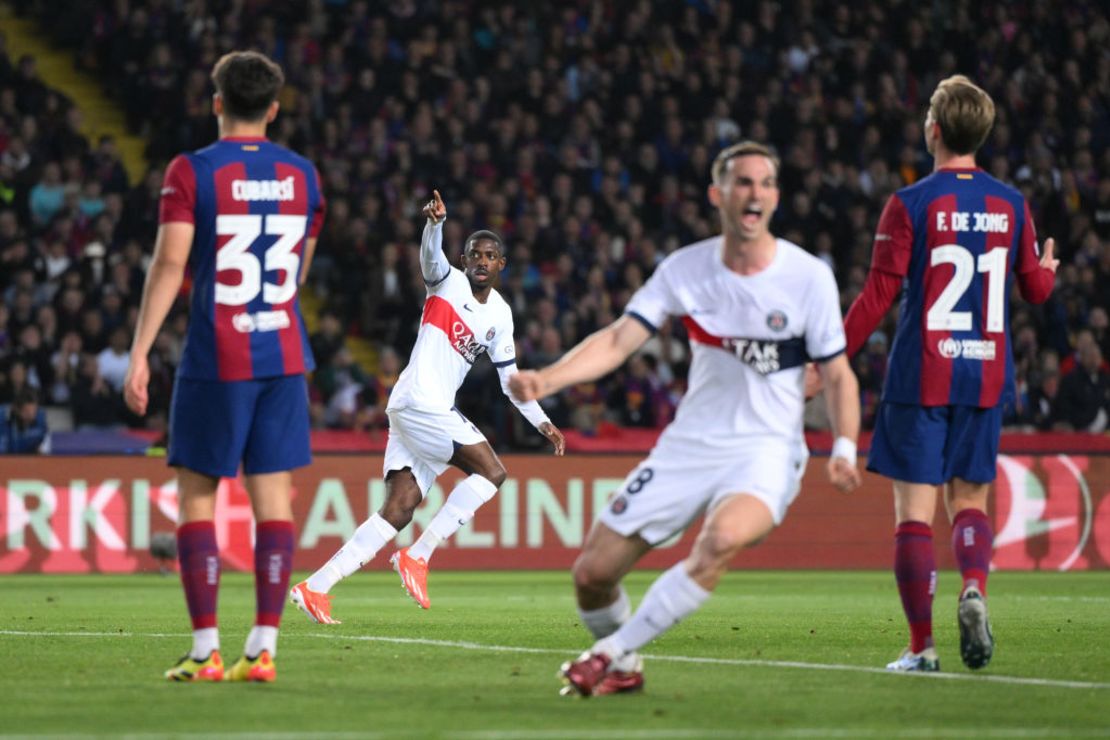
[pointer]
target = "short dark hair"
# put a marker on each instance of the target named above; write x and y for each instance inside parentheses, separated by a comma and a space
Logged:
(248, 82)
(24, 397)
(484, 234)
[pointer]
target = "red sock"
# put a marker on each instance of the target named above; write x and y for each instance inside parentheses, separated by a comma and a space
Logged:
(273, 562)
(973, 541)
(916, 572)
(199, 556)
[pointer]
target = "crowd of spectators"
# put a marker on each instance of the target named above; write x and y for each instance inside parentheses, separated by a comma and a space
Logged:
(583, 133)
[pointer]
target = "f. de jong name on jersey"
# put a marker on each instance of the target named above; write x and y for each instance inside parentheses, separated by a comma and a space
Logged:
(956, 238)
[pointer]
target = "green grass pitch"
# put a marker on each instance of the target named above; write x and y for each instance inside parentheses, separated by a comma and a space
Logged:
(779, 655)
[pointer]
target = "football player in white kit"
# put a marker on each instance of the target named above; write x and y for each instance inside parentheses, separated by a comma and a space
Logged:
(756, 309)
(463, 318)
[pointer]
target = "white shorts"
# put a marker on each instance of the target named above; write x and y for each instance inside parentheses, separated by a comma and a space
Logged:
(678, 482)
(425, 441)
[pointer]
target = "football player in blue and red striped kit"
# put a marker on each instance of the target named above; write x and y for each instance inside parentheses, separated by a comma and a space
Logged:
(951, 245)
(243, 215)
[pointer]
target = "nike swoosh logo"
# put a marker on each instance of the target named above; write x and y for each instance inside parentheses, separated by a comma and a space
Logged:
(883, 237)
(468, 308)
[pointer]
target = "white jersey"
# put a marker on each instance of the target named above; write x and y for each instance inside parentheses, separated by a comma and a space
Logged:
(455, 330)
(750, 337)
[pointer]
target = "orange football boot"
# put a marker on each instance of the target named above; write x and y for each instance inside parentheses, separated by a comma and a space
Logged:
(414, 576)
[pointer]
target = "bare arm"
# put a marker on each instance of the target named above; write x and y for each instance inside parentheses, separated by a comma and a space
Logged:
(306, 260)
(163, 281)
(595, 356)
(842, 399)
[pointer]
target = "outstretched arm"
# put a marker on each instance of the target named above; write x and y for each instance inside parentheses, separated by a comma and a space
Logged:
(531, 410)
(433, 263)
(596, 355)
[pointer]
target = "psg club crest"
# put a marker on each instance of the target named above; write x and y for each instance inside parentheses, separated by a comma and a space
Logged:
(490, 333)
(776, 321)
(620, 503)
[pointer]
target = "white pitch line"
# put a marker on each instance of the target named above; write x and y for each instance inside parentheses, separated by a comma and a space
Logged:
(1015, 680)
(789, 733)
(1081, 599)
(485, 647)
(795, 733)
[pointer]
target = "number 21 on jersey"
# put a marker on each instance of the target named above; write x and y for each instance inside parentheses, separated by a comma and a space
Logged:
(236, 255)
(942, 315)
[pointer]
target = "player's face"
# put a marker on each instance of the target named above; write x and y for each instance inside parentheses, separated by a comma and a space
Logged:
(747, 197)
(483, 262)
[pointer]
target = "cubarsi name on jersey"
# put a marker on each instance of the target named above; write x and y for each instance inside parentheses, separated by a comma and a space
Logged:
(263, 189)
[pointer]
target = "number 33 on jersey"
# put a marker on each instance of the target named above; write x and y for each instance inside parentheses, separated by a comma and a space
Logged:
(254, 204)
(957, 237)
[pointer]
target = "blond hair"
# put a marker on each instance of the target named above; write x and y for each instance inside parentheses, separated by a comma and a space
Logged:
(742, 149)
(965, 113)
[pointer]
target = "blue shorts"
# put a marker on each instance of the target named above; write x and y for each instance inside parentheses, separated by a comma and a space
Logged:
(934, 444)
(262, 423)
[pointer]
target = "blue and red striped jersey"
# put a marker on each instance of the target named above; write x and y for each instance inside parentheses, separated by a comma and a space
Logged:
(253, 204)
(956, 238)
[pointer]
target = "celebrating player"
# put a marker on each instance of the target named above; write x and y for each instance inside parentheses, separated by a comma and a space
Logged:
(463, 317)
(755, 308)
(950, 243)
(243, 215)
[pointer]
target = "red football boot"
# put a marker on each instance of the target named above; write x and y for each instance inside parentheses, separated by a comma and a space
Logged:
(585, 674)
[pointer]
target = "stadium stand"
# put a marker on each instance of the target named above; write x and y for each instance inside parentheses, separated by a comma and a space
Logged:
(582, 132)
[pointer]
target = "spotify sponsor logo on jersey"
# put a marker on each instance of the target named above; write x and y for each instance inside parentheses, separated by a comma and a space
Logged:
(970, 349)
(247, 323)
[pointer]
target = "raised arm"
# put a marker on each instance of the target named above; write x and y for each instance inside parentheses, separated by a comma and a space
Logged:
(595, 356)
(433, 263)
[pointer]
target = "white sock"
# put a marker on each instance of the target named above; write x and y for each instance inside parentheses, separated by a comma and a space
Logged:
(673, 597)
(370, 537)
(261, 638)
(465, 499)
(204, 642)
(607, 620)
